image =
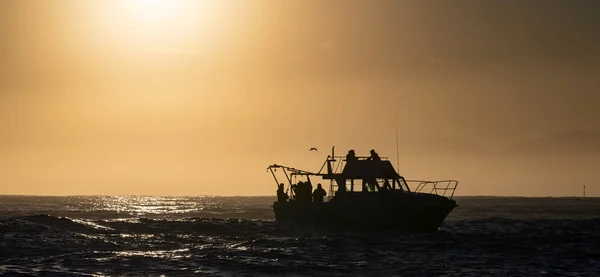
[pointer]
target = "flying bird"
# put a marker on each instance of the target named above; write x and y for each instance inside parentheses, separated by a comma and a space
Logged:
(315, 149)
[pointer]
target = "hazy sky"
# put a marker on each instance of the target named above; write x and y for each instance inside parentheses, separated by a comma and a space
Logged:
(199, 97)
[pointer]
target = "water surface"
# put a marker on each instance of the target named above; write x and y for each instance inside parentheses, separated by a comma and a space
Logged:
(236, 236)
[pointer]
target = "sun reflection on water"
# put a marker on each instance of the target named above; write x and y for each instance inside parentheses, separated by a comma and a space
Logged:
(162, 254)
(145, 205)
(159, 254)
(126, 208)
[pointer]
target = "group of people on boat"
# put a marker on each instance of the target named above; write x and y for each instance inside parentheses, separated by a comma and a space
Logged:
(369, 184)
(303, 192)
(351, 156)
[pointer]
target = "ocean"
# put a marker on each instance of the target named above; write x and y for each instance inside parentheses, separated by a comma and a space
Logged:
(237, 236)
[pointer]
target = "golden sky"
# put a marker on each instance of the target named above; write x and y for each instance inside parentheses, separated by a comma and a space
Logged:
(182, 97)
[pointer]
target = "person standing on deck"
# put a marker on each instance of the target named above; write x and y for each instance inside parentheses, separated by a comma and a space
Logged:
(281, 195)
(319, 194)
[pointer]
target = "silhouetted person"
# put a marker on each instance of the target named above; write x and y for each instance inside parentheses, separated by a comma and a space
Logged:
(319, 194)
(374, 156)
(386, 186)
(372, 183)
(281, 195)
(351, 156)
(369, 184)
(303, 191)
(297, 189)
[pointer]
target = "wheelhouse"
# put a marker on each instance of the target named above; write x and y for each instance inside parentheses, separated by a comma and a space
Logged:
(358, 174)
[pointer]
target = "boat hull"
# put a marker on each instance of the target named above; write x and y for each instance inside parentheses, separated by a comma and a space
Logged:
(392, 210)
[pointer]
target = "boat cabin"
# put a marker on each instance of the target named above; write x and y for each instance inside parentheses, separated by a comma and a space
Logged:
(354, 174)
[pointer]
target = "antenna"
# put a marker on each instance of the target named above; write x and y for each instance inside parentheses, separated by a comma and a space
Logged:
(397, 151)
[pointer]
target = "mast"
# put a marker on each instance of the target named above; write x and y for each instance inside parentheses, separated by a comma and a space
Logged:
(333, 152)
(331, 170)
(397, 151)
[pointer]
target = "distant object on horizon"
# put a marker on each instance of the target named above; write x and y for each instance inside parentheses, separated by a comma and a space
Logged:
(313, 149)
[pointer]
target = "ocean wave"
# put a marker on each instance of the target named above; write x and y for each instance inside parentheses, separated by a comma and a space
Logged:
(45, 222)
(126, 245)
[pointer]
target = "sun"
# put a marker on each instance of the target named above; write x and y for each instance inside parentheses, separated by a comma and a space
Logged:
(167, 23)
(156, 11)
(154, 3)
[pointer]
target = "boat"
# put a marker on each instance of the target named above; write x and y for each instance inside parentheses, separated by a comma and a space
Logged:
(364, 192)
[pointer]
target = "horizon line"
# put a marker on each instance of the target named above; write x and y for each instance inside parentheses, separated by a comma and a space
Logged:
(158, 195)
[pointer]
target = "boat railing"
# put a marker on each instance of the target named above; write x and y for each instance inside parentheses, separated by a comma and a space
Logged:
(444, 188)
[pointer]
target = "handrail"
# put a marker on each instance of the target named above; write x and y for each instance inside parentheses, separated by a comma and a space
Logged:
(440, 188)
